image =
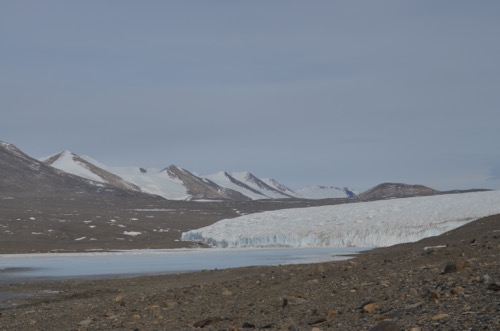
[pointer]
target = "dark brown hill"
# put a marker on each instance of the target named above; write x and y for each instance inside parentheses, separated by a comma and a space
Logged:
(22, 174)
(395, 190)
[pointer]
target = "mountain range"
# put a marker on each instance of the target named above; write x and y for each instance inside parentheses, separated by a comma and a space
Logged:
(69, 173)
(177, 183)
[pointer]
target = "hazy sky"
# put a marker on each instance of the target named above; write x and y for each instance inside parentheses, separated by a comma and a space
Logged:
(348, 93)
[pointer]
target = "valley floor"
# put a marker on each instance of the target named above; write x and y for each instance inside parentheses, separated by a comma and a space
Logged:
(30, 224)
(449, 282)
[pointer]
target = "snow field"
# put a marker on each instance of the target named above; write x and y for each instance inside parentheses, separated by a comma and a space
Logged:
(66, 163)
(366, 224)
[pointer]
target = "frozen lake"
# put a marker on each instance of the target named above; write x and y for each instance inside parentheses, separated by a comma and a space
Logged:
(32, 267)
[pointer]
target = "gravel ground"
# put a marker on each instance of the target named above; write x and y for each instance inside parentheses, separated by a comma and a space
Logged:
(71, 223)
(449, 282)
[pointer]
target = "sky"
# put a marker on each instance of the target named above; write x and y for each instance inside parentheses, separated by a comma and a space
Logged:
(343, 93)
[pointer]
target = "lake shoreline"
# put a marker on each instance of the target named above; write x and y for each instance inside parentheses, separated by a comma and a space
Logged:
(22, 268)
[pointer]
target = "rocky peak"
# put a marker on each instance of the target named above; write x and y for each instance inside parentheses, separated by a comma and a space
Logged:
(395, 190)
(98, 173)
(202, 188)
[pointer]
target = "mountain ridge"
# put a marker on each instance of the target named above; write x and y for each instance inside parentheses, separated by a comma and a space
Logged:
(102, 174)
(395, 190)
(202, 188)
(176, 183)
(66, 171)
(22, 174)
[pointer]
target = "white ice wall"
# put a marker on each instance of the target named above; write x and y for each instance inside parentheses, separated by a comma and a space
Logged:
(366, 224)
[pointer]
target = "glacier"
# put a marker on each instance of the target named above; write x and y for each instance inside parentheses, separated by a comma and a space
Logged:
(360, 224)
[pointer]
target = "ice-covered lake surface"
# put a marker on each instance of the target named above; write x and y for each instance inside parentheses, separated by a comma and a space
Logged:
(32, 267)
(364, 224)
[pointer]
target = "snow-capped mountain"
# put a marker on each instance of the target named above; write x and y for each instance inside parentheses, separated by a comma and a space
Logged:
(225, 179)
(362, 224)
(261, 186)
(153, 181)
(20, 173)
(176, 183)
(251, 186)
(172, 182)
(76, 165)
(203, 188)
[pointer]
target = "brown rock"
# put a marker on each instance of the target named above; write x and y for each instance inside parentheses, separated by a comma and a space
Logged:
(439, 316)
(318, 320)
(293, 300)
(456, 266)
(457, 290)
(435, 296)
(331, 313)
(384, 283)
(152, 307)
(119, 298)
(386, 326)
(85, 322)
(381, 318)
(415, 305)
(370, 307)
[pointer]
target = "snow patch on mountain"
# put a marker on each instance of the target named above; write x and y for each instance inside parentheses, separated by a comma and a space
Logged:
(154, 181)
(225, 179)
(259, 185)
(279, 186)
(79, 166)
(203, 188)
(65, 161)
(364, 224)
(7, 146)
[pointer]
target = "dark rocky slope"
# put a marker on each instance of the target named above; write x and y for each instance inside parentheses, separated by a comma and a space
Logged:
(22, 174)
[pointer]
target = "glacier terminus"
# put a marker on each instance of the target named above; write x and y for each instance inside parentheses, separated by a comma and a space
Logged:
(362, 224)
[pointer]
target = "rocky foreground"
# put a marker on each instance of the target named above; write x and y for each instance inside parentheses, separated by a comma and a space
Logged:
(450, 282)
